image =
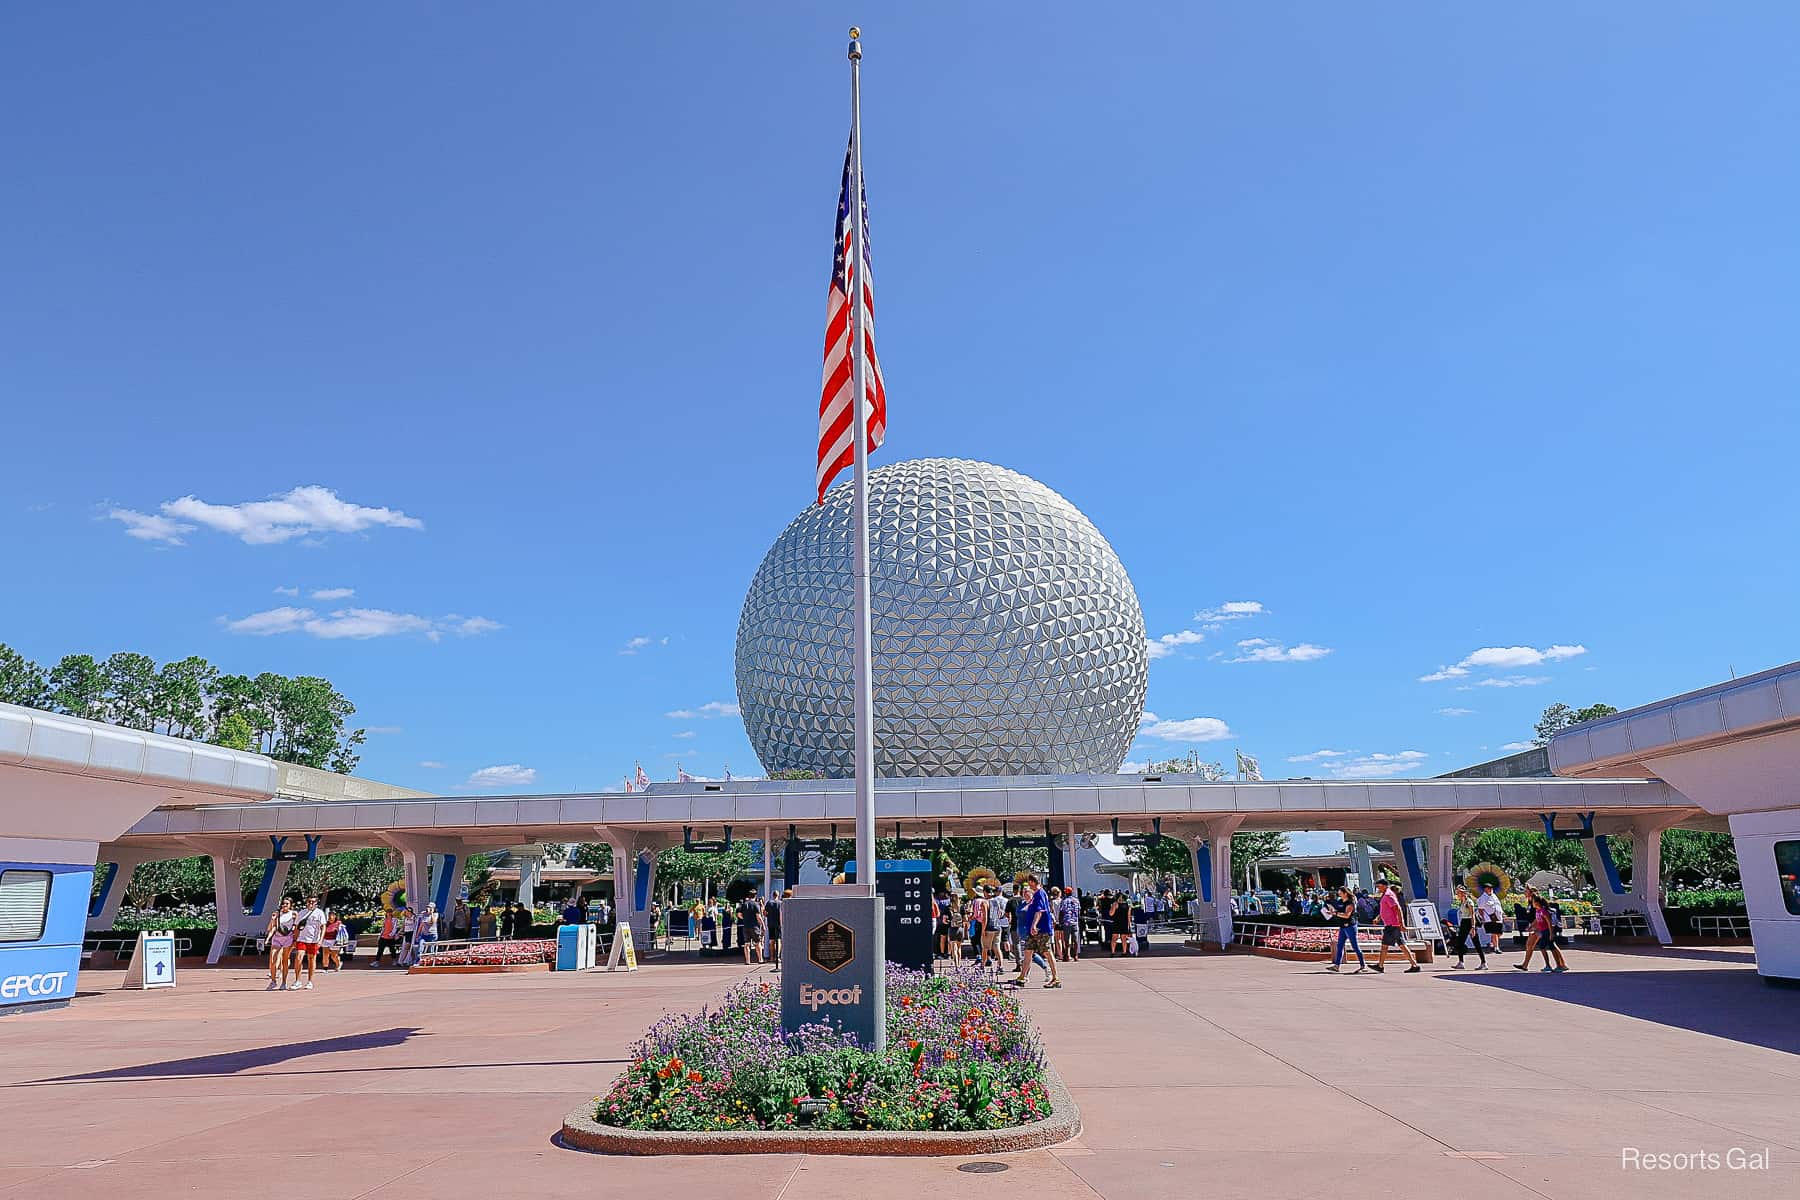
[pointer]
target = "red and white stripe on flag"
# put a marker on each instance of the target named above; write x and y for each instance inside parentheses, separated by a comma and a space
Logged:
(837, 396)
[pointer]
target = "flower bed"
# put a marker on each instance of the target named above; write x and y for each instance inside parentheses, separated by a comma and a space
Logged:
(496, 954)
(1317, 941)
(961, 1056)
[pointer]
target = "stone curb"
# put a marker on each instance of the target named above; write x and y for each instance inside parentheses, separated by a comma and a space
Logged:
(581, 1132)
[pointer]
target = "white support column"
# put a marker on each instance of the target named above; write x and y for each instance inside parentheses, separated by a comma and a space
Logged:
(634, 877)
(1210, 846)
(1644, 894)
(1426, 855)
(432, 867)
(234, 920)
(1646, 876)
(1073, 850)
(119, 863)
(531, 871)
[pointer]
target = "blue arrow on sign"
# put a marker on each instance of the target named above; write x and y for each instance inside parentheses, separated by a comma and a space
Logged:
(159, 968)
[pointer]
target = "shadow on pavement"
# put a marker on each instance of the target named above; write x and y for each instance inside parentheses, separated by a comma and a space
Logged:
(1723, 1002)
(234, 1061)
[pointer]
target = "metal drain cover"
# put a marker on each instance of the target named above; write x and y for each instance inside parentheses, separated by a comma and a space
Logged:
(983, 1168)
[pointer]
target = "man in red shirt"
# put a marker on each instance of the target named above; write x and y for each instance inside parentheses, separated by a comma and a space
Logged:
(1393, 928)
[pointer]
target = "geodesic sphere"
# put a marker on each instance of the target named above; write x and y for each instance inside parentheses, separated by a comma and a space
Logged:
(1007, 636)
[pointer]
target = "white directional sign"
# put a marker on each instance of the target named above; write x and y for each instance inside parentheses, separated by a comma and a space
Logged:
(153, 965)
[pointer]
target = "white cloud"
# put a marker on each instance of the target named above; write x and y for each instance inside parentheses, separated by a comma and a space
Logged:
(1265, 650)
(1517, 746)
(287, 591)
(712, 708)
(1232, 610)
(333, 593)
(1509, 681)
(686, 733)
(1162, 647)
(149, 527)
(1378, 765)
(276, 620)
(1504, 657)
(432, 765)
(1455, 712)
(1193, 729)
(640, 642)
(510, 775)
(301, 512)
(1318, 755)
(385, 729)
(1132, 768)
(357, 623)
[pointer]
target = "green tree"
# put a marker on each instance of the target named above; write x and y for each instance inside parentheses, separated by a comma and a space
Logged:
(967, 853)
(77, 687)
(129, 680)
(234, 732)
(1522, 853)
(309, 725)
(1559, 717)
(251, 700)
(21, 680)
(347, 880)
(171, 881)
(179, 700)
(1171, 856)
(1248, 847)
(592, 856)
(678, 866)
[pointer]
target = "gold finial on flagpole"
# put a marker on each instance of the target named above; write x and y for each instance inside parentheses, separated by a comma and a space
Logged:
(855, 43)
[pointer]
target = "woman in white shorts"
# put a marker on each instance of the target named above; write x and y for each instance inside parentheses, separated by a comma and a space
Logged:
(280, 936)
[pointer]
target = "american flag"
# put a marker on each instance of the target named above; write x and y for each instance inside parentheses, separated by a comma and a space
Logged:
(837, 398)
(682, 776)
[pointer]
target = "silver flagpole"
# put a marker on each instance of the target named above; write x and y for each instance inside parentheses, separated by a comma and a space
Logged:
(864, 650)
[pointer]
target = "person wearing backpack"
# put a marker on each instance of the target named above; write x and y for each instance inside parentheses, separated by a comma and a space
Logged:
(1340, 910)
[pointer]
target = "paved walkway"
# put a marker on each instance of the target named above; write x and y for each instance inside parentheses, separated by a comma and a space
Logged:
(1197, 1076)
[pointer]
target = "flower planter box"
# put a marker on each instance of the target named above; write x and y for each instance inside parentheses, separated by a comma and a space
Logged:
(477, 968)
(580, 1131)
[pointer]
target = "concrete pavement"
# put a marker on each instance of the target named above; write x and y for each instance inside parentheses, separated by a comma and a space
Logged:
(1219, 1076)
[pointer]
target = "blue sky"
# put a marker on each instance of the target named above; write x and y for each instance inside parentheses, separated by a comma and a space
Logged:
(1428, 332)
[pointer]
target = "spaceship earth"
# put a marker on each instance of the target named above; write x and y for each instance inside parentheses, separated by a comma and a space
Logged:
(1007, 637)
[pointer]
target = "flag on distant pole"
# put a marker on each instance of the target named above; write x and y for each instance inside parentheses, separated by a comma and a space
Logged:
(727, 772)
(682, 776)
(628, 786)
(643, 780)
(837, 397)
(1248, 768)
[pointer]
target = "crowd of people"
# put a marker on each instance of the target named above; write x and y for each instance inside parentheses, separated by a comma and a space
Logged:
(303, 939)
(1475, 925)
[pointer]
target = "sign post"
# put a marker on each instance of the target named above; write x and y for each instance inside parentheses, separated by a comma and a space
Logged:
(835, 945)
(1422, 917)
(153, 964)
(622, 951)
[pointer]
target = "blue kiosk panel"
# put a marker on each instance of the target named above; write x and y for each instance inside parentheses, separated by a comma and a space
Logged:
(43, 915)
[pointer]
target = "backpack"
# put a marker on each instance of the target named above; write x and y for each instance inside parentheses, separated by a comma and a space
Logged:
(1368, 910)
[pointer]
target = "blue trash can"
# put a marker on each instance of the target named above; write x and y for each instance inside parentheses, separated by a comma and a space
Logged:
(568, 947)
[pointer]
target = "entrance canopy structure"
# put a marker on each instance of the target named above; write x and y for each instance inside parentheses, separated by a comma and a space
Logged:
(435, 834)
(1733, 749)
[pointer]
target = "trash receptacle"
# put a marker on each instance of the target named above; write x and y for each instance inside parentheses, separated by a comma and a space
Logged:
(568, 947)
